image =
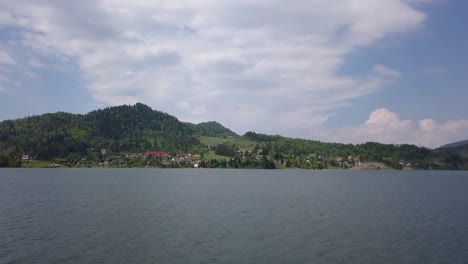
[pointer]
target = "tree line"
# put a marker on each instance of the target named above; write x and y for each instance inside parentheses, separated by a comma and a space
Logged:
(137, 128)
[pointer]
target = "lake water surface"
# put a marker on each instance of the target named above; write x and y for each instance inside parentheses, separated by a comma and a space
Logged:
(232, 216)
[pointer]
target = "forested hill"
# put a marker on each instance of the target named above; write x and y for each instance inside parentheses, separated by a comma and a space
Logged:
(214, 129)
(120, 128)
(463, 143)
(130, 130)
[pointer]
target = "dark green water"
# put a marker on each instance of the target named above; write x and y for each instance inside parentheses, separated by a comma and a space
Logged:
(232, 216)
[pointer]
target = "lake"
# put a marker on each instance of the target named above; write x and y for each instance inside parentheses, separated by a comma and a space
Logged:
(232, 216)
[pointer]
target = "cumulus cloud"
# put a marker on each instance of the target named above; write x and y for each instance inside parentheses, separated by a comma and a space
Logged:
(385, 126)
(427, 124)
(432, 133)
(5, 58)
(386, 118)
(233, 61)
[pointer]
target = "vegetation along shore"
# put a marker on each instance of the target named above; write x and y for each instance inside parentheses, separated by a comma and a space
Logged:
(134, 136)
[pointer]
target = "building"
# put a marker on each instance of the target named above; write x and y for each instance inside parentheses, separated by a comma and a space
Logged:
(105, 151)
(156, 153)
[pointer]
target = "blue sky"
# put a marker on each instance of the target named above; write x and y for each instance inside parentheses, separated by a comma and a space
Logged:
(351, 71)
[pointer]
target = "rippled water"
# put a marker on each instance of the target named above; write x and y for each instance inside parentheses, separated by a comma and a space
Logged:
(232, 216)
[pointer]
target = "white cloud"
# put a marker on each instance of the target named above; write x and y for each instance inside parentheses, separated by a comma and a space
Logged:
(384, 118)
(5, 58)
(36, 63)
(382, 126)
(386, 71)
(269, 60)
(385, 126)
(31, 75)
(427, 124)
(183, 105)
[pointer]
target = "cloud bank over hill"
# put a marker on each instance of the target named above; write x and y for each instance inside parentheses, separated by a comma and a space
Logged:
(387, 127)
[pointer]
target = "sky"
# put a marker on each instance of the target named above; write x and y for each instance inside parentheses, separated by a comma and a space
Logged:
(349, 71)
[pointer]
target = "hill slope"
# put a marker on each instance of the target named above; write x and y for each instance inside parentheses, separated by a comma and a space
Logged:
(136, 128)
(455, 144)
(214, 129)
(120, 128)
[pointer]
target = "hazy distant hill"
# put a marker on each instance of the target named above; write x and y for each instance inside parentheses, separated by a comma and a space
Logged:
(456, 144)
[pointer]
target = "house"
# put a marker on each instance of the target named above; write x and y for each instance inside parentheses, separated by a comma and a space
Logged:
(105, 151)
(156, 153)
(26, 157)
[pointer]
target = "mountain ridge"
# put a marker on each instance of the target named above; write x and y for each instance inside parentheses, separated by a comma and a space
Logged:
(456, 144)
(214, 129)
(137, 128)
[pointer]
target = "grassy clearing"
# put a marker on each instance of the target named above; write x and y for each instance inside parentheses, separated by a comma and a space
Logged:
(214, 140)
(245, 143)
(211, 155)
(280, 165)
(39, 164)
(239, 141)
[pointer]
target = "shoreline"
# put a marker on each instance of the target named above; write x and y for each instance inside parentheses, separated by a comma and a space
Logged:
(371, 165)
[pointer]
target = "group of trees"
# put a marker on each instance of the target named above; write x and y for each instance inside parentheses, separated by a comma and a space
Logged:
(214, 129)
(226, 150)
(121, 128)
(304, 153)
(9, 161)
(239, 162)
(137, 128)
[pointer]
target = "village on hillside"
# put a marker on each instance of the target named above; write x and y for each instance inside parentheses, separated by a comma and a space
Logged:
(242, 158)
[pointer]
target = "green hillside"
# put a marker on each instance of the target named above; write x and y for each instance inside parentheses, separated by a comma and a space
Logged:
(214, 129)
(126, 132)
(120, 128)
(463, 143)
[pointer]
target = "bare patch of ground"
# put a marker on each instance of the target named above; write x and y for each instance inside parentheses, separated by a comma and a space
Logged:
(372, 166)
